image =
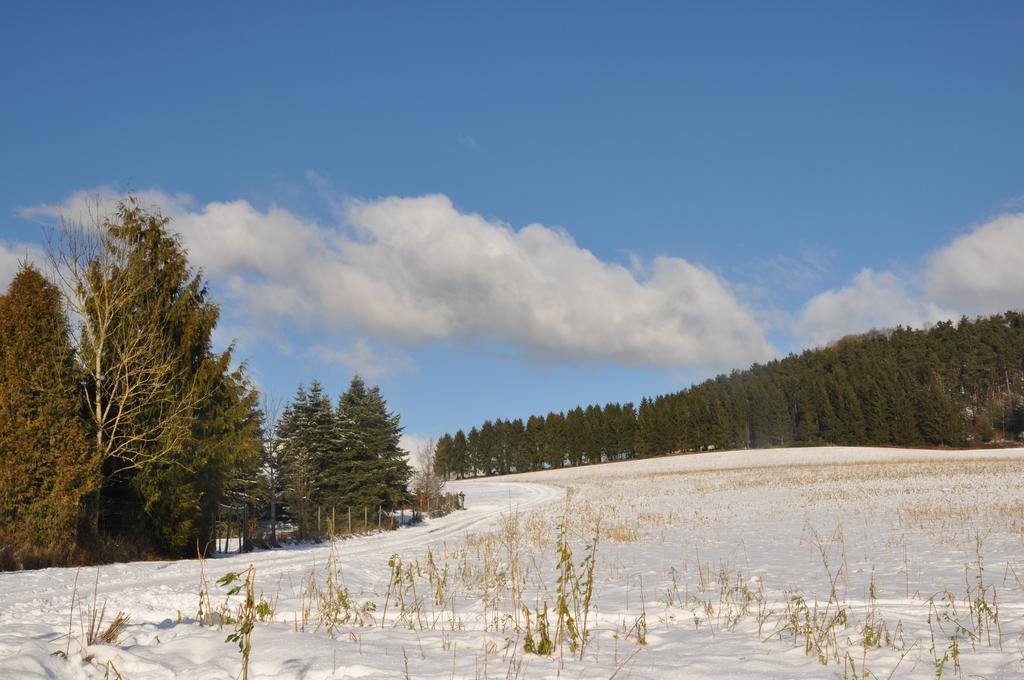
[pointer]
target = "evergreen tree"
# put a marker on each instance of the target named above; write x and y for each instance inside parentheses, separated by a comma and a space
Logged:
(175, 488)
(646, 428)
(459, 456)
(48, 467)
(937, 421)
(486, 444)
(473, 464)
(297, 463)
(374, 470)
(516, 455)
(311, 448)
(535, 443)
(555, 453)
(443, 457)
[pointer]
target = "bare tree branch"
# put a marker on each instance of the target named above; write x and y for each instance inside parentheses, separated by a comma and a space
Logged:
(426, 482)
(141, 412)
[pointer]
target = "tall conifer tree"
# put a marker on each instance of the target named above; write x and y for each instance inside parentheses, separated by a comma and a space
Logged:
(48, 466)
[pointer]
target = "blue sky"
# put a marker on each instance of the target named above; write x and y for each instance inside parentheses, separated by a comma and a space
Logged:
(717, 182)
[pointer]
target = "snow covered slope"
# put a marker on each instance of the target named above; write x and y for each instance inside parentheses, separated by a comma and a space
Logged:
(826, 562)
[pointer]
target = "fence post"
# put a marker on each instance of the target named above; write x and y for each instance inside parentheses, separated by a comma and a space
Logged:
(380, 511)
(350, 520)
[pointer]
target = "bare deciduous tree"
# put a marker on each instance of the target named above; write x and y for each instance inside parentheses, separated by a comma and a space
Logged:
(426, 483)
(271, 462)
(141, 412)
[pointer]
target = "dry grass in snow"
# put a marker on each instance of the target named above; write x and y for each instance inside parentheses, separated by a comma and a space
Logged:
(845, 563)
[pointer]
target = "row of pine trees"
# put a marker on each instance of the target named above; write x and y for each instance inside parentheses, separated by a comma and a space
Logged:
(123, 433)
(950, 385)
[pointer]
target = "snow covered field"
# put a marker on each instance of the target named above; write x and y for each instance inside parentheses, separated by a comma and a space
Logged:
(829, 562)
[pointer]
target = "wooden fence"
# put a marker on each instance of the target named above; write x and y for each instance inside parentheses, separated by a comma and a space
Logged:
(238, 530)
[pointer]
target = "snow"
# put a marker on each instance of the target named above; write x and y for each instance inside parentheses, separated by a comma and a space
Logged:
(727, 557)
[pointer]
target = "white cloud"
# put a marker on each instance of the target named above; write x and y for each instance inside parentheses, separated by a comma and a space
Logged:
(11, 257)
(450, 274)
(413, 270)
(415, 444)
(798, 272)
(87, 205)
(366, 360)
(981, 272)
(871, 300)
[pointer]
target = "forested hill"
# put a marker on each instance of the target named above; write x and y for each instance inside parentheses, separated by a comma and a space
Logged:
(950, 385)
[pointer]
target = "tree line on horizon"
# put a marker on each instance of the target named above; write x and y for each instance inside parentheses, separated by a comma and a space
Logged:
(950, 385)
(124, 434)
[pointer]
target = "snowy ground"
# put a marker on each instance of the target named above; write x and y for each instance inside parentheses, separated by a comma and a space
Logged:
(790, 563)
